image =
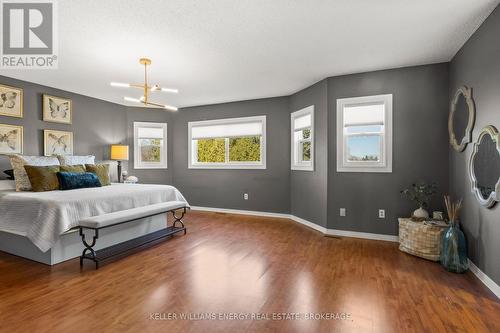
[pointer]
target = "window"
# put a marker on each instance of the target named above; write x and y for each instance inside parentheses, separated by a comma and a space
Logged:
(302, 144)
(237, 143)
(150, 145)
(364, 134)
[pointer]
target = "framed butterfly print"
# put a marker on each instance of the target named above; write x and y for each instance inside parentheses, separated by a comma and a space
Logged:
(57, 143)
(56, 109)
(11, 139)
(11, 101)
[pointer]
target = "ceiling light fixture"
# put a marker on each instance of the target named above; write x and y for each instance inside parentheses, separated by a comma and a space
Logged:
(144, 99)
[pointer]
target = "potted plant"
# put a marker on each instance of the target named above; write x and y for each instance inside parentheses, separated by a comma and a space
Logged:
(420, 193)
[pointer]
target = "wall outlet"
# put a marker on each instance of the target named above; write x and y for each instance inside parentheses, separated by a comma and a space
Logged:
(245, 196)
(342, 211)
(381, 213)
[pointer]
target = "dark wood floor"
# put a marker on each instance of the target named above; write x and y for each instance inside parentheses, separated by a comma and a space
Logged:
(243, 264)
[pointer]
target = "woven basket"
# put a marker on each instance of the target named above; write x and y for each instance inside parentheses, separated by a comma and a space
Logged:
(420, 239)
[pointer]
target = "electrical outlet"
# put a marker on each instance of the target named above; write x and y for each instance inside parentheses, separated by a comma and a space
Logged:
(245, 196)
(342, 211)
(381, 213)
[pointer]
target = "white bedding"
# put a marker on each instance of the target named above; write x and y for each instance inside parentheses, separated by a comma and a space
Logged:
(43, 216)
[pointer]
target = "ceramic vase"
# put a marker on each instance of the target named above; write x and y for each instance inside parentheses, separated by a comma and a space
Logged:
(421, 213)
(454, 249)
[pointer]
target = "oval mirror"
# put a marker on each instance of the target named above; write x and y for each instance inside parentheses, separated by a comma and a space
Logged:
(484, 167)
(461, 118)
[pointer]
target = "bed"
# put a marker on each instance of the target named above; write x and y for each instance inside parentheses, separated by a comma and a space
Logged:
(40, 225)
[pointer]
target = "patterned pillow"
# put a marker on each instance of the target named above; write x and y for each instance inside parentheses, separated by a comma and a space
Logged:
(102, 172)
(43, 178)
(74, 159)
(73, 168)
(19, 161)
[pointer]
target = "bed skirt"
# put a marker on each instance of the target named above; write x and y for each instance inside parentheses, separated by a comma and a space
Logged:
(70, 246)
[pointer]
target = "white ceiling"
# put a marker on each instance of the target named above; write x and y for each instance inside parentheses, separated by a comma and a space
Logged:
(226, 50)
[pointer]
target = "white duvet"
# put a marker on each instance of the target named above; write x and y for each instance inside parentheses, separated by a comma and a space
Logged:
(43, 216)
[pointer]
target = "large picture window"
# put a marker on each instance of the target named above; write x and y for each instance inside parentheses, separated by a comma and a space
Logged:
(150, 145)
(364, 134)
(302, 129)
(236, 143)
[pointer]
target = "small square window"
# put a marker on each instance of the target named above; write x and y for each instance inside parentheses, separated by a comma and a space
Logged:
(150, 145)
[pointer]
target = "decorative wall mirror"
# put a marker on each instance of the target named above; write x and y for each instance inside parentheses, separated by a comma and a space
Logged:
(484, 167)
(461, 118)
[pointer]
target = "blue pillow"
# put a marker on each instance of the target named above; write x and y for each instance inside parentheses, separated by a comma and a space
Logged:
(73, 180)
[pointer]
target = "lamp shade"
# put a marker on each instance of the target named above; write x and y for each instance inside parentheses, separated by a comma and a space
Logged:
(119, 152)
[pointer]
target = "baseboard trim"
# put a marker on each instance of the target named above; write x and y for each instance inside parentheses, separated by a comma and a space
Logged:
(485, 279)
(364, 235)
(311, 225)
(323, 230)
(241, 212)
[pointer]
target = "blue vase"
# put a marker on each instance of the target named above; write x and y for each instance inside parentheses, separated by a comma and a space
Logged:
(454, 249)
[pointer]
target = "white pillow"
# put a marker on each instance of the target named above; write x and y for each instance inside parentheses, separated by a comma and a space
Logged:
(76, 160)
(19, 161)
(7, 185)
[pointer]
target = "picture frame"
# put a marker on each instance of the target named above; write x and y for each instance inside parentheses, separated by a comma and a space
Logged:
(57, 109)
(11, 139)
(11, 101)
(57, 142)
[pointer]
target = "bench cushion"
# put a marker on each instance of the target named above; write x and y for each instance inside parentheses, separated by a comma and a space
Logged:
(107, 220)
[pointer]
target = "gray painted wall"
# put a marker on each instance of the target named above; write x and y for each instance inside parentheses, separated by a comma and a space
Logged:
(269, 189)
(308, 190)
(420, 147)
(477, 65)
(96, 123)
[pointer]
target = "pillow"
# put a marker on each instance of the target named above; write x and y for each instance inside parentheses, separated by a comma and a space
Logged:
(19, 161)
(73, 168)
(71, 180)
(75, 160)
(102, 172)
(10, 174)
(43, 178)
(113, 170)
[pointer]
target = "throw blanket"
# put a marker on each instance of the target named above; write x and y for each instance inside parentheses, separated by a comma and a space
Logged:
(43, 216)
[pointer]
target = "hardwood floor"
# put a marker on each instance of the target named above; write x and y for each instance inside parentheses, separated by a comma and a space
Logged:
(243, 264)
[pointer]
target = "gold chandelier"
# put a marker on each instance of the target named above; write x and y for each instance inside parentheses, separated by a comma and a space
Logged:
(147, 89)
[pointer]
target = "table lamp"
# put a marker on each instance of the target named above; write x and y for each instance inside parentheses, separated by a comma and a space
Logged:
(119, 153)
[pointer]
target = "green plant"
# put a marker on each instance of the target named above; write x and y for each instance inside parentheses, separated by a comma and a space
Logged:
(420, 193)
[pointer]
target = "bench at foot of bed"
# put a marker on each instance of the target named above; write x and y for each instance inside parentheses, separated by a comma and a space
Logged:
(99, 222)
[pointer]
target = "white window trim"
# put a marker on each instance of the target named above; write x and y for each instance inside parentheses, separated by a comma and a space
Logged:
(386, 164)
(230, 165)
(304, 166)
(138, 164)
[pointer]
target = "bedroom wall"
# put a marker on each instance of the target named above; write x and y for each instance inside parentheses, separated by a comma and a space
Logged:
(308, 189)
(477, 65)
(269, 189)
(96, 123)
(420, 147)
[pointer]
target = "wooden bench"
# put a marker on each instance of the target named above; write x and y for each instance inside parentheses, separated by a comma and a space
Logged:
(99, 222)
